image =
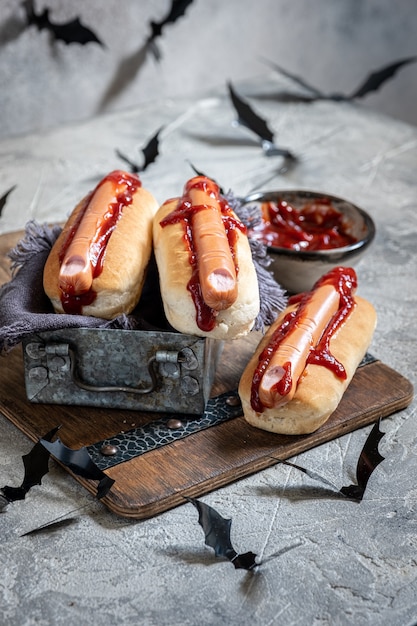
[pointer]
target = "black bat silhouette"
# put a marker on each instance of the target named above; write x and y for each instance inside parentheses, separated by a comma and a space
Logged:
(374, 81)
(4, 197)
(79, 462)
(369, 459)
(217, 536)
(250, 119)
(69, 32)
(36, 466)
(371, 83)
(129, 67)
(177, 10)
(150, 152)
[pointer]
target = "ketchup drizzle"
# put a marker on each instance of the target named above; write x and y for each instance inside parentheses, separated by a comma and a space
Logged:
(345, 282)
(183, 213)
(72, 303)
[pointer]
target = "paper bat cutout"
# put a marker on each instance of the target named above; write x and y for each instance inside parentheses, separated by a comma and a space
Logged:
(36, 466)
(217, 536)
(369, 459)
(177, 10)
(79, 462)
(130, 66)
(371, 83)
(68, 32)
(150, 152)
(4, 197)
(250, 119)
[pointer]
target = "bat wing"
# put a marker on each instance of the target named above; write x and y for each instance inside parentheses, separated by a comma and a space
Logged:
(177, 10)
(216, 529)
(151, 150)
(36, 466)
(36, 463)
(217, 536)
(369, 459)
(374, 81)
(74, 32)
(79, 462)
(370, 456)
(4, 197)
(249, 118)
(68, 32)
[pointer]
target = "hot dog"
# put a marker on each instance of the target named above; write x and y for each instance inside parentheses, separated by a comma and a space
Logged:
(216, 267)
(98, 264)
(305, 362)
(208, 281)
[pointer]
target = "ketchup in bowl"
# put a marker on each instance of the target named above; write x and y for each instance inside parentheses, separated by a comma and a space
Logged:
(316, 225)
(307, 233)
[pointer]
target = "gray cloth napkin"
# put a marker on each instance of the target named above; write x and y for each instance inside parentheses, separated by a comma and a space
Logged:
(24, 307)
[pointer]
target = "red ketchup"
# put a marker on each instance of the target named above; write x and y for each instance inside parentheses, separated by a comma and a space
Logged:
(318, 225)
(183, 213)
(344, 280)
(71, 303)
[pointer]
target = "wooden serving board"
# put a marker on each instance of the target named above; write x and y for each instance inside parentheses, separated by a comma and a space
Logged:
(160, 479)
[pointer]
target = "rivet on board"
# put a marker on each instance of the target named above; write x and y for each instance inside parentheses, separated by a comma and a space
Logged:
(233, 400)
(174, 423)
(109, 449)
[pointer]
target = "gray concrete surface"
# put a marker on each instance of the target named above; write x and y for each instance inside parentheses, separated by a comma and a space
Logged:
(355, 563)
(332, 45)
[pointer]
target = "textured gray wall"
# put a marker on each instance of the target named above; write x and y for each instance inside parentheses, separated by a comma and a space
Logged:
(331, 44)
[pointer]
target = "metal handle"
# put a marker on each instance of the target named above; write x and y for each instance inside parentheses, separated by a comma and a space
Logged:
(137, 390)
(185, 357)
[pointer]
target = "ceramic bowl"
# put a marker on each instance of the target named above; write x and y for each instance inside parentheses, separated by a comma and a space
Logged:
(297, 270)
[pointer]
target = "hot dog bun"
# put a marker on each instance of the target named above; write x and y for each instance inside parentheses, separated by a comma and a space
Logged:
(319, 390)
(172, 255)
(116, 288)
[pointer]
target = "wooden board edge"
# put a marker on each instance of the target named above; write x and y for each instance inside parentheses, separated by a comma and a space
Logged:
(176, 498)
(263, 462)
